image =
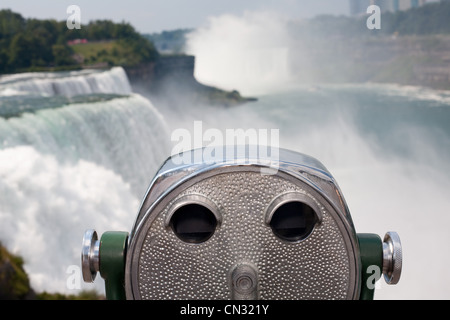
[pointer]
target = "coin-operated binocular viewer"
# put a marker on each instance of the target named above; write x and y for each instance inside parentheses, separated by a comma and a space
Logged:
(242, 229)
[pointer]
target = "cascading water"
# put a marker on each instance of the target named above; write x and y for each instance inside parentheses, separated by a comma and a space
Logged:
(67, 84)
(83, 158)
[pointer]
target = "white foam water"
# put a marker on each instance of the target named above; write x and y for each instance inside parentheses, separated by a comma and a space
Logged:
(46, 207)
(73, 167)
(67, 83)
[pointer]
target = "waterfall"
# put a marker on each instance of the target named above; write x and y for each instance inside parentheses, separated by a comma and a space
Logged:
(67, 84)
(124, 135)
(65, 168)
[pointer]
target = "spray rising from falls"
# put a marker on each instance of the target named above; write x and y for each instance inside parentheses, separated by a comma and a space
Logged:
(65, 168)
(251, 53)
(45, 207)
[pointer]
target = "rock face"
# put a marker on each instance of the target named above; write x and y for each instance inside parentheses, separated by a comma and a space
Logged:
(410, 60)
(152, 74)
(14, 282)
(171, 79)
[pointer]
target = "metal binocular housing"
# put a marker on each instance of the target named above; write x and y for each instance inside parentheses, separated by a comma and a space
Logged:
(242, 228)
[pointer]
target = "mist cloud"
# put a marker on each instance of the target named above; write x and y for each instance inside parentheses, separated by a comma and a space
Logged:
(250, 53)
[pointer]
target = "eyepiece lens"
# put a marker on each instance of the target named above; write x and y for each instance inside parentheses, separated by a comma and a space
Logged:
(193, 223)
(293, 221)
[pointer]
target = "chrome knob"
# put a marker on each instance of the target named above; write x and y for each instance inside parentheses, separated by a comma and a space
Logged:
(90, 261)
(392, 258)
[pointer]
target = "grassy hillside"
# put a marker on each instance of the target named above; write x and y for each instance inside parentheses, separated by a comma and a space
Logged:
(14, 282)
(93, 51)
(109, 53)
(32, 44)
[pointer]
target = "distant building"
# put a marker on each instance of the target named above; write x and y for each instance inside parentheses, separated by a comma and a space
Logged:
(77, 41)
(407, 4)
(358, 7)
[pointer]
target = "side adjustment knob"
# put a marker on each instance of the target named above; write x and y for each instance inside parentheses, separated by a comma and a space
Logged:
(90, 261)
(392, 258)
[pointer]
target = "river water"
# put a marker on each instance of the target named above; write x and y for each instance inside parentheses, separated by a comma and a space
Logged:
(77, 150)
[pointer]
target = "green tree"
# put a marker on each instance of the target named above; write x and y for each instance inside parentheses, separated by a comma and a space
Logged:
(10, 23)
(26, 44)
(20, 51)
(4, 57)
(63, 55)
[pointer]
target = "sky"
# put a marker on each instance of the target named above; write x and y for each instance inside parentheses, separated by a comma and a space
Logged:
(148, 16)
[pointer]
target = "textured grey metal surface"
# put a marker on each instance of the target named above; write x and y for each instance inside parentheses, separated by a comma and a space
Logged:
(300, 166)
(323, 266)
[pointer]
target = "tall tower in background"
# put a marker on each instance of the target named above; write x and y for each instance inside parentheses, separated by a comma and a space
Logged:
(418, 3)
(408, 4)
(386, 5)
(404, 4)
(359, 6)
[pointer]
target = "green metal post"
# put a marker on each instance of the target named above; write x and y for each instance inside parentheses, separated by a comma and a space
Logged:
(371, 253)
(112, 252)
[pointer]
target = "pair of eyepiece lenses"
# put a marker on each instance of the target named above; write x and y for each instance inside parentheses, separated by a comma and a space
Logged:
(293, 221)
